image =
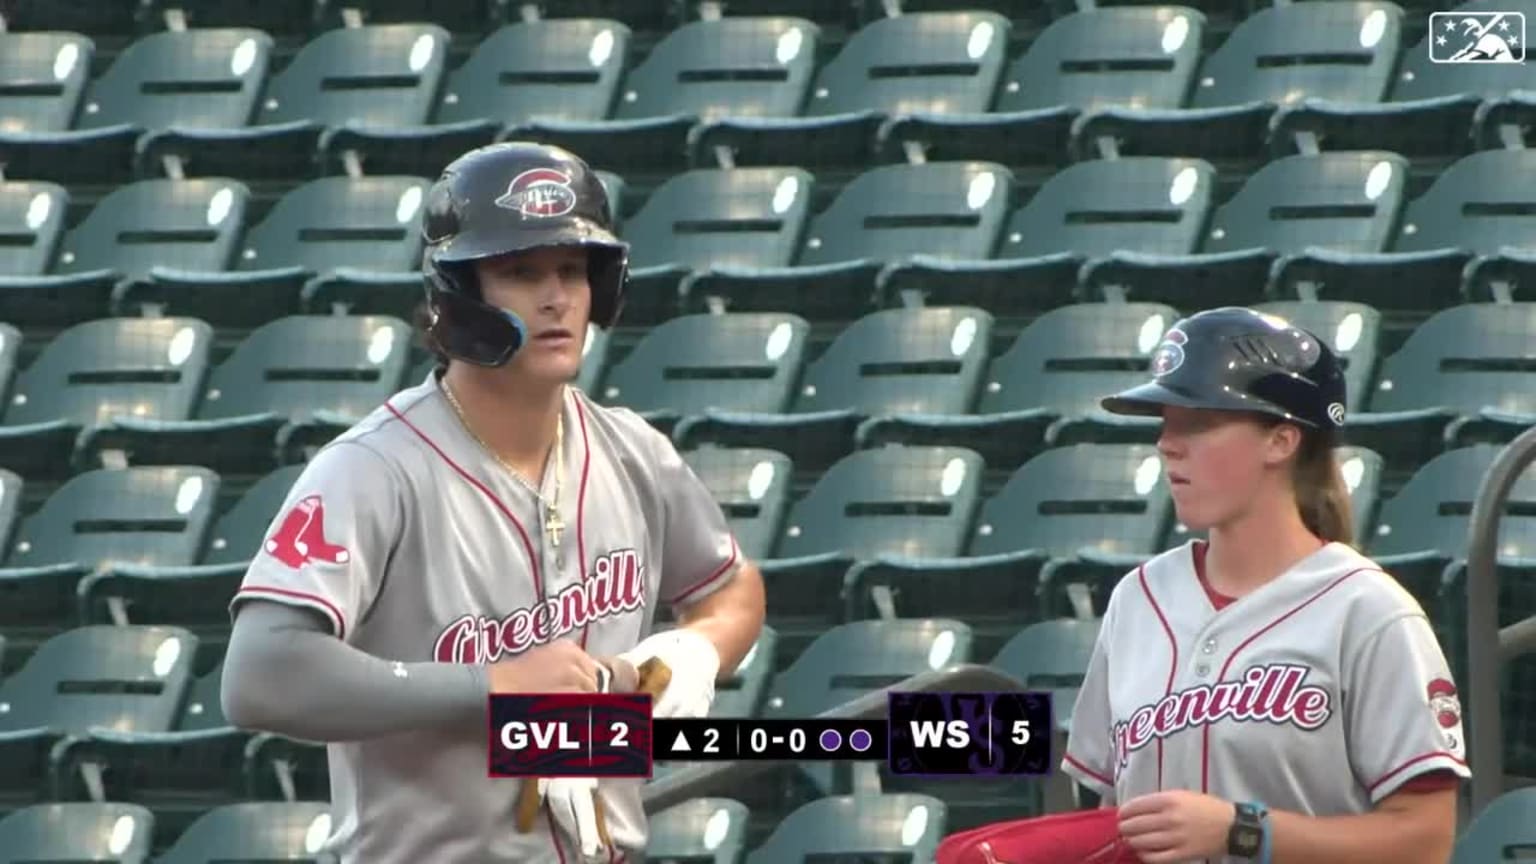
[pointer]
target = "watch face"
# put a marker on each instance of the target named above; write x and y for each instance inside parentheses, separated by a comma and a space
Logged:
(1245, 842)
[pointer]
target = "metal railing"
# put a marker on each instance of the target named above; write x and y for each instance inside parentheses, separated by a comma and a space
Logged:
(1488, 646)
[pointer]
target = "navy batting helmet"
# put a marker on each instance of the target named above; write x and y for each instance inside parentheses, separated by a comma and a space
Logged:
(504, 198)
(1238, 359)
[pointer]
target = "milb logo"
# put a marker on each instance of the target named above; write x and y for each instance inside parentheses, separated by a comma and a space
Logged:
(1477, 37)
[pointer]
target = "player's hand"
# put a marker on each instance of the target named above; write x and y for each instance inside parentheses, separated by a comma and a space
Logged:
(1177, 826)
(573, 803)
(694, 663)
(555, 667)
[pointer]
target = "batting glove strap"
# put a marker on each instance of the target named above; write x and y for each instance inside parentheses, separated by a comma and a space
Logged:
(694, 663)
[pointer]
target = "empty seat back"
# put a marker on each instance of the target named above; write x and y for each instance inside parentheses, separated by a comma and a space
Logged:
(32, 218)
(565, 69)
(42, 79)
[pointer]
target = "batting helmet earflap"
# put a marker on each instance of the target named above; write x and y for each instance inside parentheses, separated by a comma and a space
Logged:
(504, 198)
(1239, 359)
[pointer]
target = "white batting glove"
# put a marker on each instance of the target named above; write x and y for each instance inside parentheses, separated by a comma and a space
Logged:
(694, 663)
(573, 803)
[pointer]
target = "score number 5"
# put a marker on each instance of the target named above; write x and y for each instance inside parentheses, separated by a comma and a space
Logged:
(1020, 734)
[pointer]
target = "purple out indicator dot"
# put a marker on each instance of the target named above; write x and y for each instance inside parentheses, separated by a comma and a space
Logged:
(831, 740)
(859, 740)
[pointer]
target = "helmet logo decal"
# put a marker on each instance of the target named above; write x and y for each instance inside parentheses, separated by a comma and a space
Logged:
(539, 193)
(1170, 354)
(1336, 413)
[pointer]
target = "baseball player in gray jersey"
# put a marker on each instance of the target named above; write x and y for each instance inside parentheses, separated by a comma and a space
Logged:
(490, 529)
(1268, 694)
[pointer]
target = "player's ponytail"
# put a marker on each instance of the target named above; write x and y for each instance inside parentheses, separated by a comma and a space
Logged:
(1321, 493)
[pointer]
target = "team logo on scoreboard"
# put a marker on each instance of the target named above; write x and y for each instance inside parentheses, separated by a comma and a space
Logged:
(1477, 37)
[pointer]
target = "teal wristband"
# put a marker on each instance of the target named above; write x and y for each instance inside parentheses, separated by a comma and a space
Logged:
(1266, 844)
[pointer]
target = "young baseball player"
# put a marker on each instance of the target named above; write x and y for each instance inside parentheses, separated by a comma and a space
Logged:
(1268, 694)
(490, 529)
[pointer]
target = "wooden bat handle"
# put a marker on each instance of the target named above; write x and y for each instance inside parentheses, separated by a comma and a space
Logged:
(654, 678)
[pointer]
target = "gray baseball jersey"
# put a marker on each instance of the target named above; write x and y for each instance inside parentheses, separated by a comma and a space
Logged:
(419, 546)
(1321, 692)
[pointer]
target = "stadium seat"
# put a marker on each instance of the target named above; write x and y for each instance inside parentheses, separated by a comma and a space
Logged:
(952, 210)
(1348, 202)
(1109, 499)
(1363, 471)
(186, 79)
(1051, 656)
(1477, 206)
(1046, 387)
(43, 76)
(32, 222)
(121, 679)
(698, 220)
(1344, 51)
(178, 773)
(387, 75)
(195, 595)
(730, 68)
(134, 230)
(1126, 56)
(11, 487)
(334, 242)
(1105, 206)
(742, 695)
(1434, 109)
(116, 832)
(849, 660)
(889, 503)
(94, 520)
(864, 827)
(266, 831)
(893, 362)
(740, 362)
(10, 350)
(92, 373)
(701, 830)
(567, 69)
(1423, 528)
(752, 487)
(1499, 831)
(923, 63)
(1460, 378)
(290, 386)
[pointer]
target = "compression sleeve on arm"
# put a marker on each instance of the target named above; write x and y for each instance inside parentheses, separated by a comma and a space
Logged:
(284, 672)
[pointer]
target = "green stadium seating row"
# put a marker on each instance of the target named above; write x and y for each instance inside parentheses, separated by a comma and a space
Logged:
(748, 90)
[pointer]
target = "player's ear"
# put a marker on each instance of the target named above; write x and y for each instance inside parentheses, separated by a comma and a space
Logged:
(1282, 443)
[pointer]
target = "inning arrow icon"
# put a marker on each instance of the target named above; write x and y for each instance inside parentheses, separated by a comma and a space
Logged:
(681, 744)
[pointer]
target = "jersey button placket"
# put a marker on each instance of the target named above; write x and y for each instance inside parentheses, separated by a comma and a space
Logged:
(1207, 649)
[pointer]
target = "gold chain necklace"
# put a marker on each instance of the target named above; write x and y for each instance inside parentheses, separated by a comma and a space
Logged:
(554, 526)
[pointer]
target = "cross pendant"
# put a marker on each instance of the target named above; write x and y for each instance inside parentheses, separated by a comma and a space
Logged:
(553, 526)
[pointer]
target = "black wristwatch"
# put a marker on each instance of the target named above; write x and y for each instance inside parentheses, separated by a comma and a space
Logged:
(1246, 837)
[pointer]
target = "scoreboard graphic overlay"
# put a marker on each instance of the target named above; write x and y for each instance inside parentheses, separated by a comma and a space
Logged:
(923, 734)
